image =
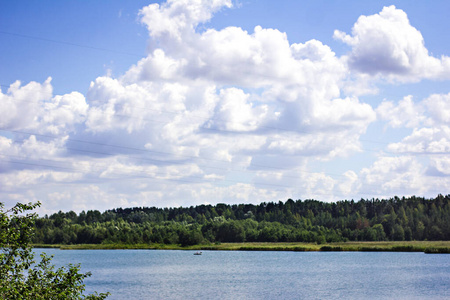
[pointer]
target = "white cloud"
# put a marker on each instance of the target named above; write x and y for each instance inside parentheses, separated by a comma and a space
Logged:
(425, 140)
(386, 44)
(228, 116)
(177, 18)
(20, 104)
(31, 148)
(404, 175)
(30, 178)
(156, 66)
(349, 184)
(346, 113)
(439, 166)
(318, 186)
(235, 112)
(438, 108)
(428, 118)
(296, 89)
(405, 114)
(393, 176)
(32, 107)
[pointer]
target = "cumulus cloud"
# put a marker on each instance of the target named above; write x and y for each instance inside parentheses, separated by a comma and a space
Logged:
(349, 184)
(404, 175)
(20, 103)
(439, 166)
(405, 114)
(32, 107)
(235, 112)
(386, 44)
(201, 99)
(230, 115)
(425, 140)
(438, 108)
(176, 19)
(391, 175)
(297, 87)
(30, 178)
(428, 118)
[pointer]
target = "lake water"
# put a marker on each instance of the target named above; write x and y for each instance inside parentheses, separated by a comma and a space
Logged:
(171, 274)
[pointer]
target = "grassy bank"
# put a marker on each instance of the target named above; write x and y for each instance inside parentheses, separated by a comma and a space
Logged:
(412, 246)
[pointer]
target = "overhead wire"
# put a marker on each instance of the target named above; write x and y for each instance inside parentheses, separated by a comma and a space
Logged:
(184, 180)
(180, 155)
(67, 43)
(177, 162)
(142, 173)
(15, 34)
(163, 153)
(295, 131)
(185, 156)
(161, 111)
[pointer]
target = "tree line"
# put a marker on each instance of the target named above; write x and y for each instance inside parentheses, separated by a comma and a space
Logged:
(395, 219)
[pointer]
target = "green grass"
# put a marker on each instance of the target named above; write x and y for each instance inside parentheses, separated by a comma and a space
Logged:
(412, 246)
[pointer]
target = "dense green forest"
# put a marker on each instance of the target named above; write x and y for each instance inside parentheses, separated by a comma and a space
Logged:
(395, 219)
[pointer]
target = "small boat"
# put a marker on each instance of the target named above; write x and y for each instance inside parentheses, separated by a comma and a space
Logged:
(198, 253)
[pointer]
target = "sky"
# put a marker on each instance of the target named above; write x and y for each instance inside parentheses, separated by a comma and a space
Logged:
(107, 104)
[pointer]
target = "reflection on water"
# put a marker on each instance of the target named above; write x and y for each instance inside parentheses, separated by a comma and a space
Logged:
(164, 274)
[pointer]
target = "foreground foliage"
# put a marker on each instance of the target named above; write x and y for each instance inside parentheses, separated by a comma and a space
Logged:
(20, 276)
(310, 221)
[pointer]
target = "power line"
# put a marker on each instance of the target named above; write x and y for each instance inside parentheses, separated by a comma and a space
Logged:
(67, 43)
(143, 173)
(257, 131)
(175, 162)
(151, 151)
(161, 111)
(174, 179)
(160, 152)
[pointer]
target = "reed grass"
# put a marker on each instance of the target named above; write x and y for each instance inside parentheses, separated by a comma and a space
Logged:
(410, 246)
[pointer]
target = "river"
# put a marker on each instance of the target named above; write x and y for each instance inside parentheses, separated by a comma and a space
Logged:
(172, 274)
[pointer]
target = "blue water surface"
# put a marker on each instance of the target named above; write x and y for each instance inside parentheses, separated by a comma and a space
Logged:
(172, 274)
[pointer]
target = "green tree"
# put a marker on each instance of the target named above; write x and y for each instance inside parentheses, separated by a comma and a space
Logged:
(20, 276)
(380, 234)
(190, 237)
(394, 219)
(231, 231)
(399, 233)
(420, 229)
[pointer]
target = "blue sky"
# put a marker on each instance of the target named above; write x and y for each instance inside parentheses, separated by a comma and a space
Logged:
(141, 103)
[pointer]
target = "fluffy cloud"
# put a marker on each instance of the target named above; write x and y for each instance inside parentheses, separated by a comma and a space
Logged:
(439, 166)
(386, 44)
(237, 111)
(349, 184)
(32, 107)
(31, 178)
(176, 19)
(405, 114)
(421, 166)
(391, 175)
(438, 108)
(425, 140)
(224, 96)
(290, 87)
(19, 104)
(428, 118)
(227, 115)
(404, 175)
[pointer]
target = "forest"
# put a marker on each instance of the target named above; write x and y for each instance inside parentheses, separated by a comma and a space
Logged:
(312, 221)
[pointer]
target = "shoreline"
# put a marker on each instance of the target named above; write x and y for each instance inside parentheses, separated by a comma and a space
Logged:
(430, 247)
